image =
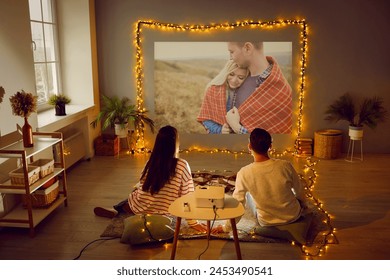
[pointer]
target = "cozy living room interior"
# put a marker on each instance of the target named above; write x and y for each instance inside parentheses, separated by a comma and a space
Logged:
(109, 48)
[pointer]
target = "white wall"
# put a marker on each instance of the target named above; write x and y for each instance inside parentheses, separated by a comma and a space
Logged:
(16, 60)
(77, 36)
(348, 51)
(76, 52)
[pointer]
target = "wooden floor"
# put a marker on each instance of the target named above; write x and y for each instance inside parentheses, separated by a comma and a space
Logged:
(357, 195)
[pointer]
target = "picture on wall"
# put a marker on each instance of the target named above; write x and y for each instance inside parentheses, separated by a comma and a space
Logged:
(207, 88)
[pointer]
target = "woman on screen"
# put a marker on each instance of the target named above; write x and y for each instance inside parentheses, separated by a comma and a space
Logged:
(219, 98)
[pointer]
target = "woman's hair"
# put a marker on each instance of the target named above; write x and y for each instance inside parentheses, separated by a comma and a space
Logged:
(162, 162)
(260, 140)
(221, 77)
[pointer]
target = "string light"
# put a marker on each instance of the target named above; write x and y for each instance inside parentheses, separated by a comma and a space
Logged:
(328, 236)
(168, 27)
(309, 171)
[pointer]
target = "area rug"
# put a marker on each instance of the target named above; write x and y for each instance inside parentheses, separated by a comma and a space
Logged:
(245, 229)
(319, 231)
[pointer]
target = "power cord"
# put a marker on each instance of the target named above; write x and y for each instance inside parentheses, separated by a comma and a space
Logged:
(111, 238)
(211, 227)
(85, 247)
(147, 229)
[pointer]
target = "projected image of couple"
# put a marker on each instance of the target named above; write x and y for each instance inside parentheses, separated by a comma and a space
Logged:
(249, 91)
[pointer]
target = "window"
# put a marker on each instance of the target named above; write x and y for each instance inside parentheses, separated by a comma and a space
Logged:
(45, 49)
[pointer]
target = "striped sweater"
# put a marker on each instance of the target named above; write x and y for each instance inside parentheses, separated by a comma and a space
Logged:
(180, 184)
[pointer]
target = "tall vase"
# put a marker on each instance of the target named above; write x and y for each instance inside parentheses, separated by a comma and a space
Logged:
(27, 134)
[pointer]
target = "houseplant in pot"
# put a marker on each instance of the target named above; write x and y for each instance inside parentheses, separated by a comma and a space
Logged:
(370, 112)
(59, 101)
(118, 112)
(23, 104)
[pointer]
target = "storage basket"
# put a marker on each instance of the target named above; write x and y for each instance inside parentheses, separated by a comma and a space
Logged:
(107, 145)
(328, 143)
(46, 166)
(17, 175)
(43, 197)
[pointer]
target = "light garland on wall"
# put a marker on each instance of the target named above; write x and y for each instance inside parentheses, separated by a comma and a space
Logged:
(199, 28)
(272, 152)
(328, 237)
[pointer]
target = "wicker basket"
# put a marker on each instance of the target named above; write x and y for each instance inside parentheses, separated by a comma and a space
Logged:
(46, 166)
(327, 143)
(43, 197)
(107, 145)
(17, 175)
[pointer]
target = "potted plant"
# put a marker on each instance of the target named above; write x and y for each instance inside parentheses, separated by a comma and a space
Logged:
(23, 104)
(117, 113)
(59, 101)
(370, 112)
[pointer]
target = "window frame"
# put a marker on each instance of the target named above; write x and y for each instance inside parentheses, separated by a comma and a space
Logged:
(47, 63)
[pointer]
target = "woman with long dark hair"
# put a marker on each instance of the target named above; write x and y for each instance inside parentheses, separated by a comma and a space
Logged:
(164, 179)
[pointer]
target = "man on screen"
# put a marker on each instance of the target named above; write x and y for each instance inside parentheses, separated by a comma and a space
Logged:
(265, 98)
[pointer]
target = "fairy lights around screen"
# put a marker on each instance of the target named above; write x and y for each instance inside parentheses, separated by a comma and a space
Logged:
(215, 27)
(309, 171)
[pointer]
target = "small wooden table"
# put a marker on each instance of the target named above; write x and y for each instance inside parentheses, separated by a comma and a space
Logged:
(231, 210)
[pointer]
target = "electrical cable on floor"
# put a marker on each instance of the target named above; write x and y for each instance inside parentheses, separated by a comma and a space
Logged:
(85, 247)
(111, 238)
(211, 227)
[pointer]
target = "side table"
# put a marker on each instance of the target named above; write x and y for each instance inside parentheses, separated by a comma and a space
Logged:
(231, 210)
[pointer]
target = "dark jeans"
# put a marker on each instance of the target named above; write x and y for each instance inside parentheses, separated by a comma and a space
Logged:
(123, 207)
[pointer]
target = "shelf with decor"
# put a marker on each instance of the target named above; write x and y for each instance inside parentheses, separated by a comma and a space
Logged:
(40, 180)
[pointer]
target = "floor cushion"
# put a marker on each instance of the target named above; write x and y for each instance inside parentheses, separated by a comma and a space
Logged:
(146, 228)
(296, 231)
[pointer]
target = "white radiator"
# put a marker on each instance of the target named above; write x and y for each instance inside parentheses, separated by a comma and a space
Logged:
(74, 148)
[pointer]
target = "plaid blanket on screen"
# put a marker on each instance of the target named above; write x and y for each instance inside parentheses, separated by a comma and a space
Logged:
(214, 105)
(269, 107)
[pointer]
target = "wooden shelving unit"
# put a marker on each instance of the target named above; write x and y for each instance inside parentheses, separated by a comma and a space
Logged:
(27, 216)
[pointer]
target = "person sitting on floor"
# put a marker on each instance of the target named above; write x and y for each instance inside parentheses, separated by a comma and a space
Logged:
(270, 187)
(164, 179)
